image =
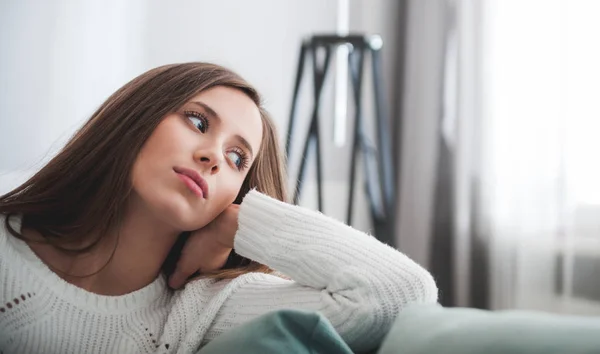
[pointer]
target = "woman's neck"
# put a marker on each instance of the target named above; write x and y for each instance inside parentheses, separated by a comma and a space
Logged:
(124, 261)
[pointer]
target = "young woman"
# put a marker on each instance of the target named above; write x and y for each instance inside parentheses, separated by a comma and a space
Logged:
(163, 224)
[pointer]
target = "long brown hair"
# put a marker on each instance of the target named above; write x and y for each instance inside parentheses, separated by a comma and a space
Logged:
(83, 190)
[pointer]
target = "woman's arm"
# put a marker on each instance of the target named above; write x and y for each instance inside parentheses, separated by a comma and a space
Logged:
(357, 282)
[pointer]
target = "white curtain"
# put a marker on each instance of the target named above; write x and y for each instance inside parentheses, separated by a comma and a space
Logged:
(506, 90)
(540, 178)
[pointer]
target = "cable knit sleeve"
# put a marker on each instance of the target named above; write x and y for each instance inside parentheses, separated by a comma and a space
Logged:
(357, 282)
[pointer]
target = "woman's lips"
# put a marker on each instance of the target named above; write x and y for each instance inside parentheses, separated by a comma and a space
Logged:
(193, 181)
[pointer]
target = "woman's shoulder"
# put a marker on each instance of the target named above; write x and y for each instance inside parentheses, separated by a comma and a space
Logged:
(13, 250)
(14, 221)
(11, 267)
(4, 233)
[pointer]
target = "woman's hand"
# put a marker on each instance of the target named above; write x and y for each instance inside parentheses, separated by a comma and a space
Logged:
(208, 248)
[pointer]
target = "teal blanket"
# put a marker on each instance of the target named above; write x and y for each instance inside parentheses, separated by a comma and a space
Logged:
(285, 331)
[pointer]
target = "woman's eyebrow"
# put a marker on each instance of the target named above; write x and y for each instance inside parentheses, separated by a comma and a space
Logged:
(211, 112)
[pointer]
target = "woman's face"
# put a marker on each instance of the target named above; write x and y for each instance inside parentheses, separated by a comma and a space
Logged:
(193, 165)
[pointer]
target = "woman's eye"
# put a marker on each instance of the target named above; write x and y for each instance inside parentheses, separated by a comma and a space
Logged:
(200, 122)
(236, 158)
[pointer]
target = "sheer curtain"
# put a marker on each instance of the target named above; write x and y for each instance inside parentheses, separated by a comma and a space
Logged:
(499, 179)
(540, 178)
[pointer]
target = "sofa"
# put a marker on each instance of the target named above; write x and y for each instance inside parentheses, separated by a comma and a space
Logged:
(420, 329)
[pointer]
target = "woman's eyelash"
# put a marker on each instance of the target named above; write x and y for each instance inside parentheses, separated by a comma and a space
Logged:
(201, 123)
(243, 164)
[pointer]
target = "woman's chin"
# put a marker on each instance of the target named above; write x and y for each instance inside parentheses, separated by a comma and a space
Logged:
(189, 221)
(182, 216)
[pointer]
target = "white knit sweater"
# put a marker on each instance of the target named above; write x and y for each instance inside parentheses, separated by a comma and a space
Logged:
(358, 283)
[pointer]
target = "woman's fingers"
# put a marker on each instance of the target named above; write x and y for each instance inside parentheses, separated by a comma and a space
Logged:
(185, 267)
(201, 252)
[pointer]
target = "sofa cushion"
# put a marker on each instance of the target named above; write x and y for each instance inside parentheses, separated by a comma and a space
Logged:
(433, 329)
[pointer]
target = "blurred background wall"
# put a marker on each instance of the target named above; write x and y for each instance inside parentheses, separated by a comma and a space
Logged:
(61, 59)
(492, 102)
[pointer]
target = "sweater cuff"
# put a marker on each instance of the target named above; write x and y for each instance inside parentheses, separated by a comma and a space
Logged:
(259, 218)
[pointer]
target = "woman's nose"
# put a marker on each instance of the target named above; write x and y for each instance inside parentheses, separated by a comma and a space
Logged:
(210, 161)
